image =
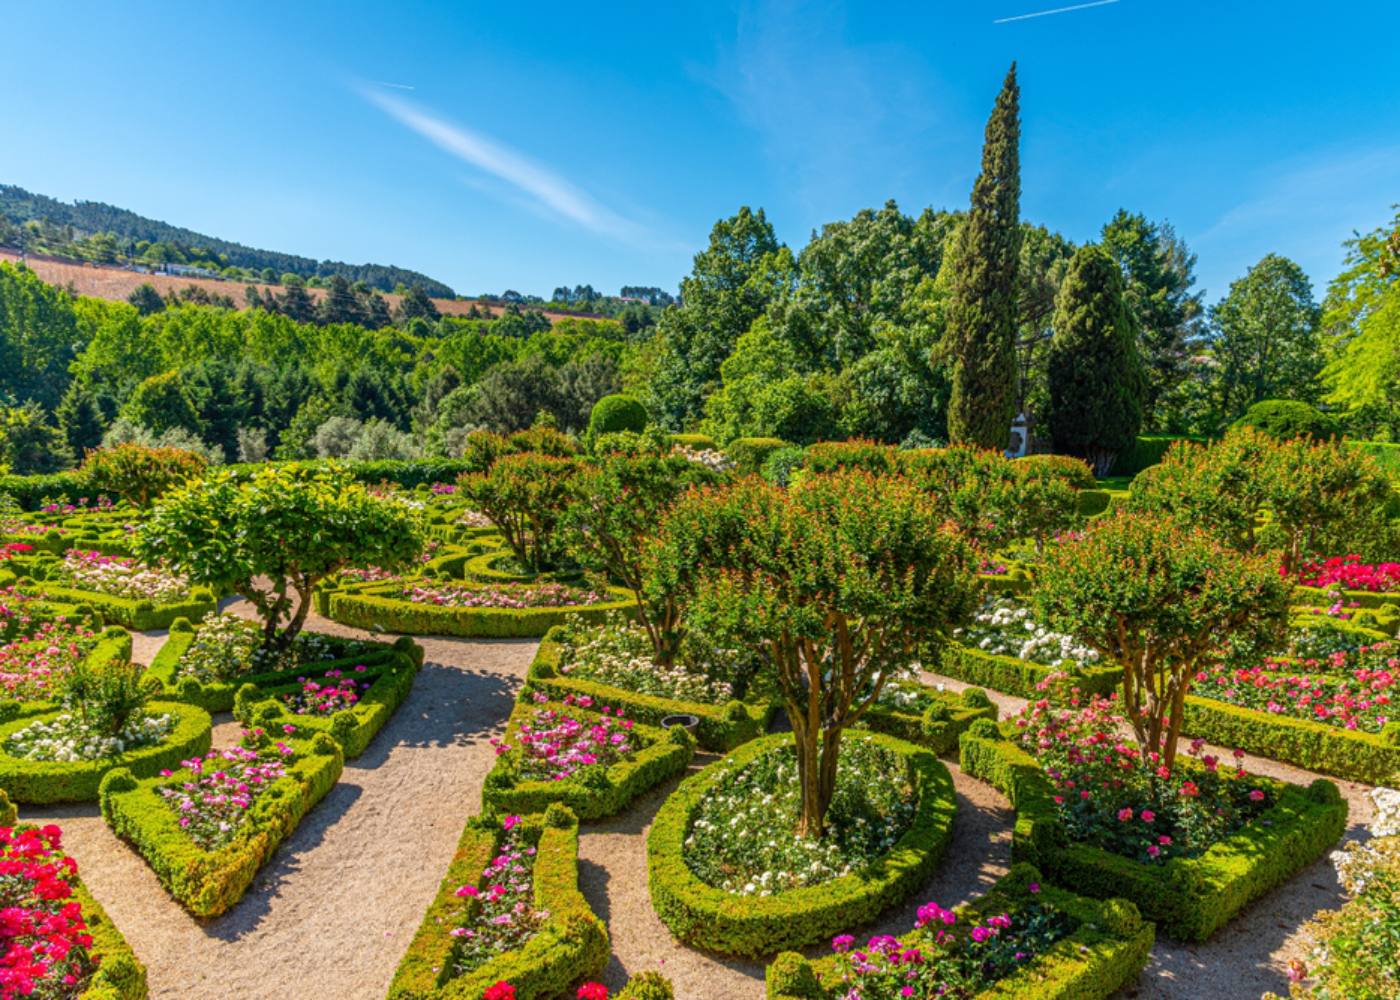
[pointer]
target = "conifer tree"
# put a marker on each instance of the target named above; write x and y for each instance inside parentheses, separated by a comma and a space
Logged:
(982, 314)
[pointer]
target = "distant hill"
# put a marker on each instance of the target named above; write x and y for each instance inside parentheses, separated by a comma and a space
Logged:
(91, 230)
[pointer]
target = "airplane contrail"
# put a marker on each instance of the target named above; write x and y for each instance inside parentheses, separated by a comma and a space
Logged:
(1057, 10)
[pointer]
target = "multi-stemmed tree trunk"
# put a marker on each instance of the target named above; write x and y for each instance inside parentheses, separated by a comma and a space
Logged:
(982, 314)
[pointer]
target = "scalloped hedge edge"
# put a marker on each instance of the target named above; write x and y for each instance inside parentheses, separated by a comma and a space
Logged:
(721, 729)
(353, 728)
(369, 609)
(666, 753)
(218, 696)
(570, 947)
(44, 782)
(139, 616)
(936, 727)
(699, 915)
(1373, 758)
(1189, 898)
(1106, 951)
(207, 883)
(1014, 676)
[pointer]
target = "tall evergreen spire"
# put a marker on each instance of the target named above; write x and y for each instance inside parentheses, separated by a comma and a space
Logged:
(982, 314)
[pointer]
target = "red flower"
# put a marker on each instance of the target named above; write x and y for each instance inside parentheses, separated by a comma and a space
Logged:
(499, 991)
(592, 991)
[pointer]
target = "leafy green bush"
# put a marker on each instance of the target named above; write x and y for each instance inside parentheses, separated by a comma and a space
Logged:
(749, 454)
(616, 413)
(1286, 419)
(1074, 471)
(525, 496)
(1018, 677)
(782, 465)
(870, 456)
(137, 474)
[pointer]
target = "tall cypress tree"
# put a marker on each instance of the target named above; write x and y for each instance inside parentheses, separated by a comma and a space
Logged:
(981, 334)
(1096, 377)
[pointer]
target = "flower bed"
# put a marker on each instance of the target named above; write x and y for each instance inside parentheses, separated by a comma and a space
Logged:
(208, 881)
(1022, 940)
(926, 714)
(722, 726)
(207, 664)
(48, 781)
(382, 607)
(118, 589)
(387, 675)
(1189, 898)
(516, 596)
(57, 941)
(1003, 626)
(1350, 573)
(1014, 676)
(568, 945)
(857, 871)
(594, 762)
(33, 664)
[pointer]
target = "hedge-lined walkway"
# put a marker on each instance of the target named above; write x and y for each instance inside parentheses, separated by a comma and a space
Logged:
(332, 913)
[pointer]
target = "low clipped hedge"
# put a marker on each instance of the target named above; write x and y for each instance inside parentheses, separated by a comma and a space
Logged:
(219, 696)
(208, 883)
(749, 454)
(571, 946)
(42, 782)
(1012, 675)
(1318, 597)
(139, 616)
(593, 792)
(1189, 898)
(703, 916)
(697, 442)
(52, 540)
(721, 729)
(1373, 758)
(939, 725)
(372, 608)
(1106, 950)
(391, 678)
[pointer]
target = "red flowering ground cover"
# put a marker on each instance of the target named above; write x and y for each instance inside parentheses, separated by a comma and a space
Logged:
(43, 940)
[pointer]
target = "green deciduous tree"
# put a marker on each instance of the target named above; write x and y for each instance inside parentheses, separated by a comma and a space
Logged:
(982, 310)
(1095, 378)
(162, 402)
(525, 495)
(138, 474)
(29, 443)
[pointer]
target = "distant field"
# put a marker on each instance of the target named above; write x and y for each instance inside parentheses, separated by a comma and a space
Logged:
(118, 283)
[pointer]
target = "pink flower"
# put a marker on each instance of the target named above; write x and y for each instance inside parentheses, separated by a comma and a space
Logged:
(1124, 815)
(1256, 795)
(1148, 815)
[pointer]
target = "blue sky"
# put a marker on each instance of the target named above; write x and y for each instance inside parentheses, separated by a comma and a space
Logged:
(530, 145)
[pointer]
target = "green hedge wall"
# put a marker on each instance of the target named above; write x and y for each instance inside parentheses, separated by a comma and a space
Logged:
(218, 696)
(593, 792)
(41, 782)
(1373, 758)
(571, 946)
(120, 975)
(1189, 898)
(139, 616)
(371, 608)
(721, 729)
(1147, 450)
(702, 916)
(207, 883)
(1014, 676)
(939, 725)
(1317, 597)
(391, 678)
(1106, 950)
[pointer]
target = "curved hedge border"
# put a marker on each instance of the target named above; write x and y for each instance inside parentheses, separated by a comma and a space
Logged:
(572, 945)
(1324, 598)
(391, 678)
(702, 916)
(1373, 758)
(721, 729)
(369, 608)
(595, 792)
(939, 725)
(1105, 951)
(218, 696)
(139, 616)
(1011, 675)
(1189, 898)
(41, 782)
(208, 883)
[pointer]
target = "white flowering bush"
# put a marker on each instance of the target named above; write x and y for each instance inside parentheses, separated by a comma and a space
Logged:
(70, 738)
(1005, 627)
(716, 461)
(620, 653)
(742, 838)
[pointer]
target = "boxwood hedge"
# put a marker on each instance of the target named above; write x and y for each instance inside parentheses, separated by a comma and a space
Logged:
(48, 781)
(571, 946)
(372, 607)
(592, 792)
(208, 883)
(1316, 596)
(939, 725)
(1106, 948)
(722, 727)
(1011, 675)
(139, 616)
(1189, 898)
(703, 916)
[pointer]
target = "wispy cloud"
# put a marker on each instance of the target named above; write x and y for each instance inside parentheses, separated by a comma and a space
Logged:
(546, 190)
(1057, 10)
(396, 86)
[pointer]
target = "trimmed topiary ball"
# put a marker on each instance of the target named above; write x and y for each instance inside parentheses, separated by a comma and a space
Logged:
(617, 413)
(1286, 419)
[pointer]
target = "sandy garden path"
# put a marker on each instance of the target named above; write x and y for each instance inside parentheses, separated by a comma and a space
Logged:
(330, 916)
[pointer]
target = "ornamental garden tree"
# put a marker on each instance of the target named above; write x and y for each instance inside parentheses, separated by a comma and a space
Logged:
(975, 489)
(842, 579)
(1159, 600)
(617, 504)
(272, 534)
(525, 496)
(138, 474)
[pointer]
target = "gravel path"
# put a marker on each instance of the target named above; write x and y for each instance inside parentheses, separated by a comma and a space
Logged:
(332, 913)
